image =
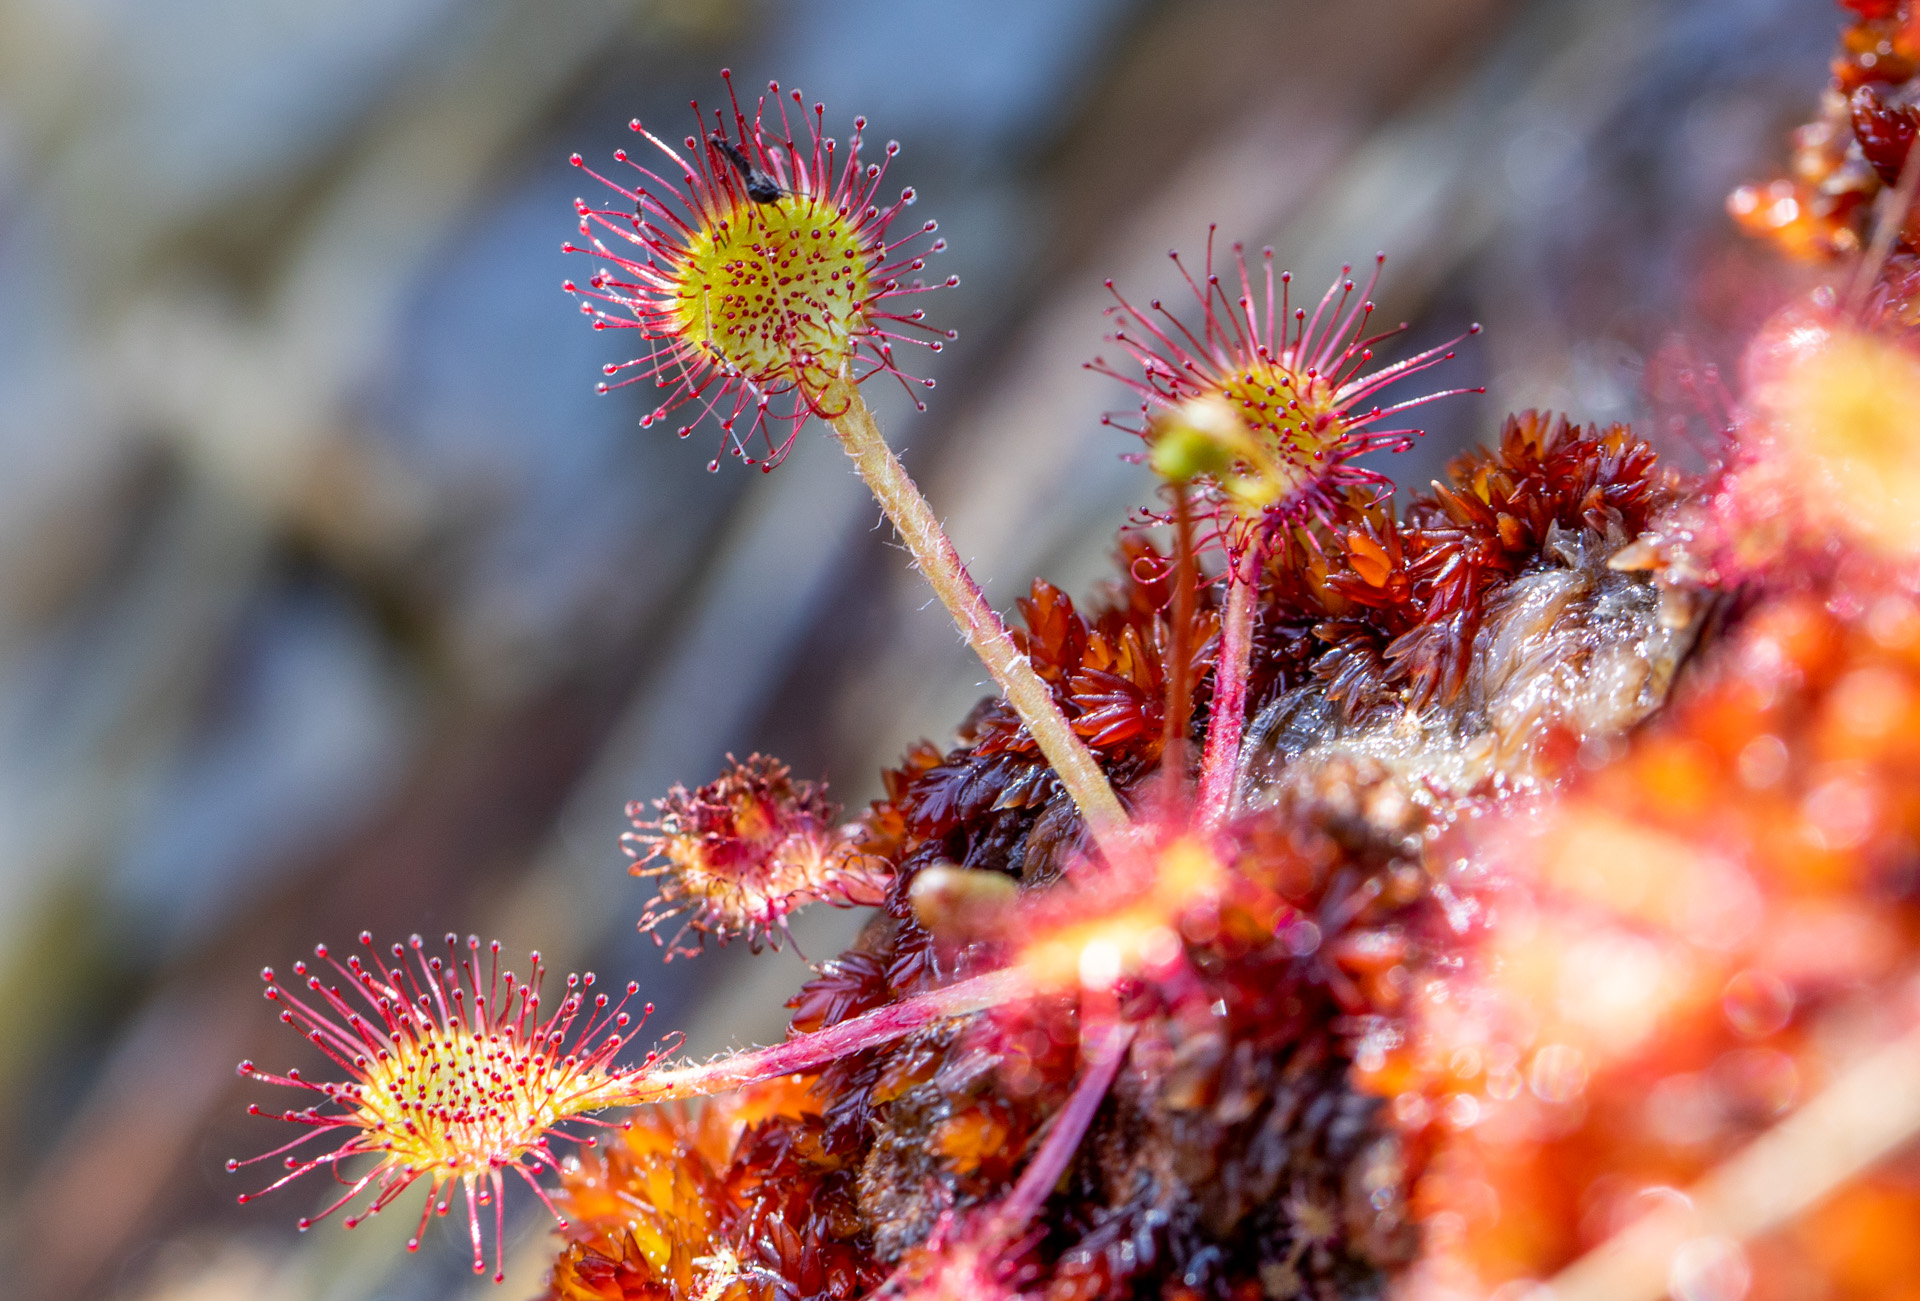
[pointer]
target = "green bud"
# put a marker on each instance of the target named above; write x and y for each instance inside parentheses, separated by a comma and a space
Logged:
(1181, 453)
(1201, 438)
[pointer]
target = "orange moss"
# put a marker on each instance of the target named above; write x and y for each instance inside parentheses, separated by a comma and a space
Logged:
(1693, 938)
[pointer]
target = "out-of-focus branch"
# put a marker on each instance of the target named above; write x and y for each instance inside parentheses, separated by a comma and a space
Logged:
(1870, 1111)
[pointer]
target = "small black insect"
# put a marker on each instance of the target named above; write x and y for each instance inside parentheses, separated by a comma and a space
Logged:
(761, 188)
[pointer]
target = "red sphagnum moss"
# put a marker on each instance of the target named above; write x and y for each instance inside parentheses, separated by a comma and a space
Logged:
(1519, 889)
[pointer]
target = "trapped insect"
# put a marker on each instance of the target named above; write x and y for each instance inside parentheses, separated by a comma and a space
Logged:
(761, 188)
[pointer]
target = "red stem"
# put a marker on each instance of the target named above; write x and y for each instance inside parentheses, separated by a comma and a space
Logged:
(1220, 761)
(1069, 1127)
(810, 1052)
(919, 528)
(1173, 748)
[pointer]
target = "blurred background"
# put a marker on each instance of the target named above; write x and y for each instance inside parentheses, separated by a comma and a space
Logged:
(332, 596)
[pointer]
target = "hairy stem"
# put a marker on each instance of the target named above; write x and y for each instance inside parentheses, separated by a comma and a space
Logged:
(1873, 1108)
(810, 1052)
(983, 629)
(1220, 760)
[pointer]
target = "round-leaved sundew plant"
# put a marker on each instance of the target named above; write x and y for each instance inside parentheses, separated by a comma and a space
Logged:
(1408, 990)
(766, 280)
(738, 856)
(1261, 414)
(455, 1076)
(769, 275)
